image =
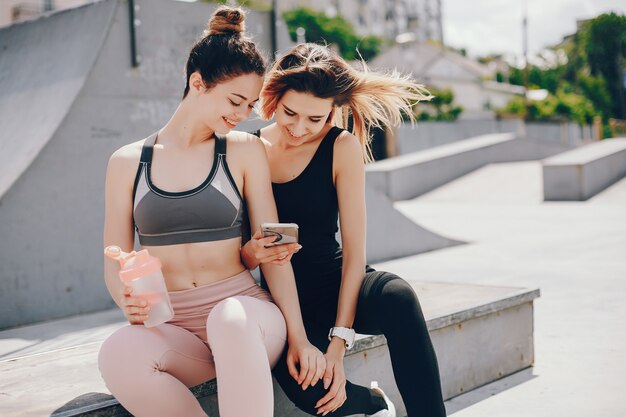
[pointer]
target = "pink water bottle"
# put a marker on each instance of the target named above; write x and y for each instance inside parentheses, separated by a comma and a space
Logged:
(142, 273)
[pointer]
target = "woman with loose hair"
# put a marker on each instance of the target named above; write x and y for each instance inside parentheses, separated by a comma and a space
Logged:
(183, 190)
(318, 177)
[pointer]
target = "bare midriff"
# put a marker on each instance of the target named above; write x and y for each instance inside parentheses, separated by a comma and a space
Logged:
(192, 265)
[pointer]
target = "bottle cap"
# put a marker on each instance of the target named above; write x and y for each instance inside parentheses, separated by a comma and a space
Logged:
(114, 252)
(138, 264)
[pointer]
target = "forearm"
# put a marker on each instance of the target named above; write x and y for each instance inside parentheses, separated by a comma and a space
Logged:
(351, 281)
(247, 256)
(112, 280)
(282, 286)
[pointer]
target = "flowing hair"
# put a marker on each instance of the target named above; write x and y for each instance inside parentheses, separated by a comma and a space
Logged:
(372, 99)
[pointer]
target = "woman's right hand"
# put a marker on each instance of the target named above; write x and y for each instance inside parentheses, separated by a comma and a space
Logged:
(309, 359)
(255, 251)
(135, 309)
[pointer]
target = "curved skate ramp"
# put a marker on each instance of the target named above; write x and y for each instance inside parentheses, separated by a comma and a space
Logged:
(38, 88)
(68, 98)
(390, 234)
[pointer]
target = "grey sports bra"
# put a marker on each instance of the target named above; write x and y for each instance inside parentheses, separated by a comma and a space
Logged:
(212, 211)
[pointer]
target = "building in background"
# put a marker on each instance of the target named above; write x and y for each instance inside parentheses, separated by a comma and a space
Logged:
(471, 82)
(15, 11)
(386, 18)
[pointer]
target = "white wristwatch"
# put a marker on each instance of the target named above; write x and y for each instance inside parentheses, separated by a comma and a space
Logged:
(343, 333)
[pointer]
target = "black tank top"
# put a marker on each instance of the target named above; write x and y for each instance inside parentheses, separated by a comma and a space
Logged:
(310, 200)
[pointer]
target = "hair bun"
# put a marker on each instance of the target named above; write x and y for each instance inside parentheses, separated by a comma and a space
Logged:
(226, 21)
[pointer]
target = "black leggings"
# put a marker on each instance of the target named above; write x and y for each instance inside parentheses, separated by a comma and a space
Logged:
(387, 305)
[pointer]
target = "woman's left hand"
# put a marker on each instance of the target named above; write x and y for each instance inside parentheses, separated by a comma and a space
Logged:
(334, 377)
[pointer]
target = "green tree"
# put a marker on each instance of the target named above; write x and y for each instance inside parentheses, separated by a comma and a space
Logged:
(333, 30)
(547, 78)
(595, 88)
(590, 81)
(605, 46)
(564, 105)
(440, 108)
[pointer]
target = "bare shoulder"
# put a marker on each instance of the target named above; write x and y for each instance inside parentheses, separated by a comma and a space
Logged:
(347, 148)
(124, 161)
(245, 145)
(128, 153)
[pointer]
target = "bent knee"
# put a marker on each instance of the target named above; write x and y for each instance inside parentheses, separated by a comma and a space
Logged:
(119, 352)
(398, 293)
(130, 347)
(305, 400)
(227, 314)
(117, 344)
(230, 320)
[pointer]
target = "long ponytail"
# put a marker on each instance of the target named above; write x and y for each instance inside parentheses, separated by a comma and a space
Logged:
(380, 100)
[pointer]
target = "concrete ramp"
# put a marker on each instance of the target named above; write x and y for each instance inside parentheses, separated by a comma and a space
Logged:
(390, 234)
(68, 98)
(38, 87)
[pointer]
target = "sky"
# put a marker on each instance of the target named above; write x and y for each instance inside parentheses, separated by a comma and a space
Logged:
(495, 26)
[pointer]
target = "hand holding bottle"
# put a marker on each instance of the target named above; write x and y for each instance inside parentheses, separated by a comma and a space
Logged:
(145, 297)
(135, 309)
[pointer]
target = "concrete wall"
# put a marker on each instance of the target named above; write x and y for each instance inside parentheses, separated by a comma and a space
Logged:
(566, 133)
(583, 172)
(409, 176)
(51, 219)
(426, 135)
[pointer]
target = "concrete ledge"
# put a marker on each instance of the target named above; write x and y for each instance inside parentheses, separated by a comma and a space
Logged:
(480, 333)
(409, 176)
(581, 173)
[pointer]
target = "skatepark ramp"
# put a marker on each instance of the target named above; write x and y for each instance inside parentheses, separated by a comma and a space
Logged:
(69, 97)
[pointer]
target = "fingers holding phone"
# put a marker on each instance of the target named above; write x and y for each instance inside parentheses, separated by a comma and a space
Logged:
(275, 245)
(284, 233)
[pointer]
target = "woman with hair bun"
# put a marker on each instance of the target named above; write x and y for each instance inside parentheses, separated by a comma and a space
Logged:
(318, 176)
(182, 190)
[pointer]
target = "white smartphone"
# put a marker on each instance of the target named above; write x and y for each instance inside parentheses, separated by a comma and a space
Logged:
(284, 232)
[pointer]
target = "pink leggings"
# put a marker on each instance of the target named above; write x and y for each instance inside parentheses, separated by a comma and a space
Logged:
(230, 329)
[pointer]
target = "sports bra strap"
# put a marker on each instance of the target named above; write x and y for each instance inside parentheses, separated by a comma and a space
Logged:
(220, 145)
(146, 150)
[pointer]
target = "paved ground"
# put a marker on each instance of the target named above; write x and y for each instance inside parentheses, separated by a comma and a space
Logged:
(574, 252)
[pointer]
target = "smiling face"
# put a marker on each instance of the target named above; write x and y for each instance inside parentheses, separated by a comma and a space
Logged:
(301, 116)
(227, 103)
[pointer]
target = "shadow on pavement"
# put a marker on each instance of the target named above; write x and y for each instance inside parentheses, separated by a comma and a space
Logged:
(468, 399)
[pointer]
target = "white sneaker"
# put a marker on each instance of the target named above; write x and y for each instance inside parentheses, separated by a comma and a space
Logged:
(391, 409)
